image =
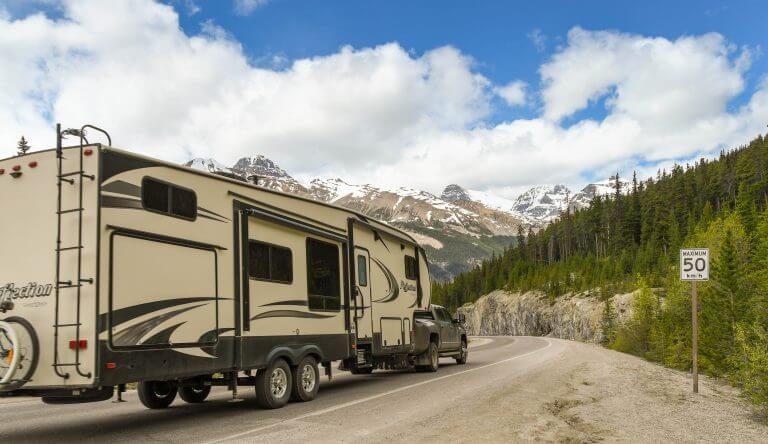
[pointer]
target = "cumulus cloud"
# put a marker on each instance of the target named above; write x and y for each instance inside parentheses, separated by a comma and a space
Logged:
(380, 115)
(513, 93)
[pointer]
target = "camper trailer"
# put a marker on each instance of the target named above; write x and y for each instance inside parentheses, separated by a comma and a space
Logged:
(118, 268)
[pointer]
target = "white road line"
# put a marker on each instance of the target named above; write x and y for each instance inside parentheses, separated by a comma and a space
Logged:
(371, 398)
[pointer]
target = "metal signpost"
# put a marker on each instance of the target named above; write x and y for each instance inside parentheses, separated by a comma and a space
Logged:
(694, 267)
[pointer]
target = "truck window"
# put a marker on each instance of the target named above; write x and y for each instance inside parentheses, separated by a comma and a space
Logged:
(362, 271)
(410, 268)
(162, 197)
(267, 262)
(323, 274)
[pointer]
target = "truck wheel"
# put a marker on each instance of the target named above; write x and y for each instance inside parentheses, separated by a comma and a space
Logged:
(273, 385)
(157, 394)
(434, 359)
(463, 353)
(362, 370)
(194, 395)
(306, 380)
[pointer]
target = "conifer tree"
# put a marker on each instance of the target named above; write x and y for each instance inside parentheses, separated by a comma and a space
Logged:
(22, 146)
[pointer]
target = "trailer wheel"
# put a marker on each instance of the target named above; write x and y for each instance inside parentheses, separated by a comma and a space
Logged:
(273, 385)
(434, 359)
(306, 380)
(194, 395)
(461, 359)
(157, 394)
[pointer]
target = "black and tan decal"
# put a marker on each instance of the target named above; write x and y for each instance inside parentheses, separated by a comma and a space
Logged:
(133, 334)
(290, 314)
(394, 289)
(126, 314)
(128, 196)
(299, 302)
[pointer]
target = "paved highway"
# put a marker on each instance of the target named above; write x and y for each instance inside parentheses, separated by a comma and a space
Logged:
(383, 406)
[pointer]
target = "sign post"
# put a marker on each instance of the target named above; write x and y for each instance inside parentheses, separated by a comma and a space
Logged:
(694, 267)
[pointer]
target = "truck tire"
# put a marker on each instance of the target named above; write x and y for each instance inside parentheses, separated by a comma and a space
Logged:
(156, 394)
(434, 359)
(461, 359)
(194, 395)
(273, 385)
(306, 380)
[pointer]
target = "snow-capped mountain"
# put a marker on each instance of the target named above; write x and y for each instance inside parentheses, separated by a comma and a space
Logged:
(543, 203)
(583, 198)
(459, 228)
(208, 164)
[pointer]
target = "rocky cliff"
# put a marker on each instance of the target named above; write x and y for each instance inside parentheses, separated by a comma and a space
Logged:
(571, 316)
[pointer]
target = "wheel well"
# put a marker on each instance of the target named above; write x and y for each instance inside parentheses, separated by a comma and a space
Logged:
(433, 337)
(464, 338)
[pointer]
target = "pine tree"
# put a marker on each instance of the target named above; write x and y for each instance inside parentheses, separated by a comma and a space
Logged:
(22, 146)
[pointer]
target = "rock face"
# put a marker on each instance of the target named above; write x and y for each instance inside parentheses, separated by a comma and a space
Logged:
(571, 316)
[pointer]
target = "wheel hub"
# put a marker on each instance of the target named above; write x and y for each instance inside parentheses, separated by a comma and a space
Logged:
(278, 383)
(308, 378)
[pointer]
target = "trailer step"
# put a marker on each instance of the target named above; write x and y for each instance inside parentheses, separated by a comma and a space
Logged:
(68, 325)
(69, 248)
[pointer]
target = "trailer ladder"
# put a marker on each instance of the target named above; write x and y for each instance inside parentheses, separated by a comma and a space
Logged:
(72, 178)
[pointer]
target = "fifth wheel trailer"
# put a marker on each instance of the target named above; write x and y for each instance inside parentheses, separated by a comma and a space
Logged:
(119, 268)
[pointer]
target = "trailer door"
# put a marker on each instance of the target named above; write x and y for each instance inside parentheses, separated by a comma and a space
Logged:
(362, 294)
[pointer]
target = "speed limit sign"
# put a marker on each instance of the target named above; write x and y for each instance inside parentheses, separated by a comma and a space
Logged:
(694, 264)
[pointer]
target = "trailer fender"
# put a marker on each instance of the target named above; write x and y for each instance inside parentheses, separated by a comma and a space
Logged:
(294, 354)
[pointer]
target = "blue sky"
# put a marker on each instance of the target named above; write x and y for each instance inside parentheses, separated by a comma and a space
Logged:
(499, 35)
(494, 95)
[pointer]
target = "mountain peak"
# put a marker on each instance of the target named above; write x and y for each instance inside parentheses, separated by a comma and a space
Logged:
(259, 166)
(454, 193)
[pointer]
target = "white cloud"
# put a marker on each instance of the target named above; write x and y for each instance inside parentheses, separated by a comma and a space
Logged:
(383, 114)
(513, 93)
(246, 7)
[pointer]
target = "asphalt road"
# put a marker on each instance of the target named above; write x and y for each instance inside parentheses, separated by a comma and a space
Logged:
(386, 405)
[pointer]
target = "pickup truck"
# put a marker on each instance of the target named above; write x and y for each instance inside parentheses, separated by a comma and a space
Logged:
(437, 335)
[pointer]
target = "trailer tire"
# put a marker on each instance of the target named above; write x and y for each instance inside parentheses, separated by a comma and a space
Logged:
(194, 395)
(434, 359)
(273, 385)
(156, 394)
(306, 380)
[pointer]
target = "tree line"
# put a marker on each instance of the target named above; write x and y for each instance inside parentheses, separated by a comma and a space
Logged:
(631, 239)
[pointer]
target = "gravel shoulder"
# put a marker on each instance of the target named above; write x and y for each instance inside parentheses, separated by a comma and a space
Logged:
(586, 393)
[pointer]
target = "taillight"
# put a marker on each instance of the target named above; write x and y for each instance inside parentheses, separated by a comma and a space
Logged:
(2, 171)
(16, 168)
(88, 152)
(81, 344)
(32, 164)
(110, 365)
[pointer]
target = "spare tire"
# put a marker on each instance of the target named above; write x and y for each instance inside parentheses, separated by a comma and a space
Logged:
(20, 335)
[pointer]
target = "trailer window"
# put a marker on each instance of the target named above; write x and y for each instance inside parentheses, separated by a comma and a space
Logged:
(410, 267)
(362, 271)
(323, 277)
(269, 262)
(169, 199)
